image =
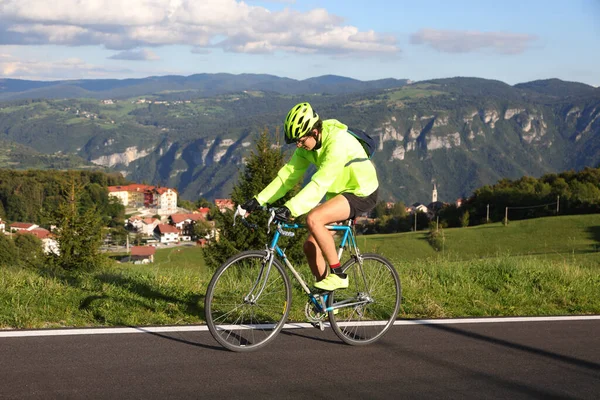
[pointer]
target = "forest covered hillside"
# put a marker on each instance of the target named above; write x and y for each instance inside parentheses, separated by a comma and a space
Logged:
(459, 133)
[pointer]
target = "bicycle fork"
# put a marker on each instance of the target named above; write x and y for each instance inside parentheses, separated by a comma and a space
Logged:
(263, 276)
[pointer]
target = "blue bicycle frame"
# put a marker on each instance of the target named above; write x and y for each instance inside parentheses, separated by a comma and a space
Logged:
(347, 238)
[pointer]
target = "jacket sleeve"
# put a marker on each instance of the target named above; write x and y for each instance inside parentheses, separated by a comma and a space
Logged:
(331, 167)
(285, 180)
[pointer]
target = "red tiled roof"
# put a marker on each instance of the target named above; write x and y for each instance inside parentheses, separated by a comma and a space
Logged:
(142, 251)
(163, 190)
(134, 187)
(225, 203)
(40, 233)
(177, 218)
(203, 210)
(21, 225)
(163, 228)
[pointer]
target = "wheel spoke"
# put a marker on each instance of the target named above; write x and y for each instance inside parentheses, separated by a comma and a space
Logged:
(242, 325)
(366, 323)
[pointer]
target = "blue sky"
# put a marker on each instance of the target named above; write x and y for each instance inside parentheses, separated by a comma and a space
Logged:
(512, 41)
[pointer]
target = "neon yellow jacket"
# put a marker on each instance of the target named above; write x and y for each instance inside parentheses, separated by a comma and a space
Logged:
(342, 166)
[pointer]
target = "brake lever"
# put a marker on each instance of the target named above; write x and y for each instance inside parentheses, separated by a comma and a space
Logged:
(271, 218)
(241, 212)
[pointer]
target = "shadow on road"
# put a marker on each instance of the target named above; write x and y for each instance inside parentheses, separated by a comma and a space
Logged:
(539, 352)
(179, 340)
(294, 332)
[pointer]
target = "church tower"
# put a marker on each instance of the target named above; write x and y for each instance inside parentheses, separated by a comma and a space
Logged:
(434, 194)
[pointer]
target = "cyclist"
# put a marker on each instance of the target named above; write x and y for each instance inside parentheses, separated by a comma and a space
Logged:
(345, 176)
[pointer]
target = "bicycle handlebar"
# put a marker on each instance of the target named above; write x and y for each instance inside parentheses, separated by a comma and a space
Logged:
(243, 213)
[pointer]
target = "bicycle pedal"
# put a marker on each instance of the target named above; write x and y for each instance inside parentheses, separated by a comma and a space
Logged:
(319, 325)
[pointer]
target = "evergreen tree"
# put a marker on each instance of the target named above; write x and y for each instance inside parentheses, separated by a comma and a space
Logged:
(398, 210)
(79, 234)
(8, 252)
(261, 168)
(29, 249)
(380, 209)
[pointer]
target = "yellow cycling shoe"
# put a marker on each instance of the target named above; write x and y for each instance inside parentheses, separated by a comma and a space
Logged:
(333, 282)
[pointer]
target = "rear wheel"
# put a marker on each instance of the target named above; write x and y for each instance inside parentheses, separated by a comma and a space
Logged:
(372, 299)
(246, 305)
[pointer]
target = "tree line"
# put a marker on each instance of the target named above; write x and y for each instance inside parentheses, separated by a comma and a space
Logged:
(569, 192)
(33, 195)
(78, 203)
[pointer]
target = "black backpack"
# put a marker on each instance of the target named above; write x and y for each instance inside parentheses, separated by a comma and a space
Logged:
(367, 142)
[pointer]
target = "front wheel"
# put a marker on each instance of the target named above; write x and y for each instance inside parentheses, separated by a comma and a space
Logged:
(247, 303)
(369, 306)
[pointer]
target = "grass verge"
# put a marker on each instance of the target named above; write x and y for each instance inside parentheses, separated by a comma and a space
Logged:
(125, 296)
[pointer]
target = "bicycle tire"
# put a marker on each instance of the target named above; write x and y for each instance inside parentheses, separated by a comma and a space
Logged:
(366, 323)
(241, 325)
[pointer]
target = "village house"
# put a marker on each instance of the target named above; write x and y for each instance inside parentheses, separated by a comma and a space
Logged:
(22, 226)
(224, 204)
(185, 223)
(166, 200)
(204, 211)
(163, 199)
(143, 225)
(2, 225)
(142, 254)
(49, 243)
(417, 207)
(166, 233)
(134, 195)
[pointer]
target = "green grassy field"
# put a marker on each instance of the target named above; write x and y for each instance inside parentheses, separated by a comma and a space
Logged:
(564, 238)
(547, 266)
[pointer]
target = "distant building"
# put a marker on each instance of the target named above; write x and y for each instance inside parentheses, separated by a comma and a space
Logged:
(134, 195)
(142, 254)
(417, 207)
(49, 243)
(142, 225)
(163, 199)
(22, 226)
(181, 220)
(203, 211)
(166, 233)
(224, 204)
(435, 206)
(2, 225)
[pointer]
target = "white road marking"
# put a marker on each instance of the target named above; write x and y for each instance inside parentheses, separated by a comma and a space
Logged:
(201, 328)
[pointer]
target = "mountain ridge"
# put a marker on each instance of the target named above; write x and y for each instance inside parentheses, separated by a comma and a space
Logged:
(459, 133)
(202, 84)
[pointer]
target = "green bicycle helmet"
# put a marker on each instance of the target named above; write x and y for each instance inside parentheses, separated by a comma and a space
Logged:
(299, 122)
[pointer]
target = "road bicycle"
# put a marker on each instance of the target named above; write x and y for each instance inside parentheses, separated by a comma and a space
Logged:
(249, 297)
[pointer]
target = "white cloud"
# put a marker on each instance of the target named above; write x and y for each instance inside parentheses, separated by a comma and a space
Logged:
(136, 55)
(228, 24)
(13, 67)
(468, 41)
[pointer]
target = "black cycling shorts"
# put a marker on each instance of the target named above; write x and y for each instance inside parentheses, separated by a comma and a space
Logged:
(361, 205)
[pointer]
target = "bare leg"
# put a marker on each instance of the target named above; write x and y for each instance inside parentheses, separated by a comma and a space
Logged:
(320, 246)
(315, 258)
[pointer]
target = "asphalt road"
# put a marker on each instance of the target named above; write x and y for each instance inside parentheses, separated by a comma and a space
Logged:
(538, 360)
